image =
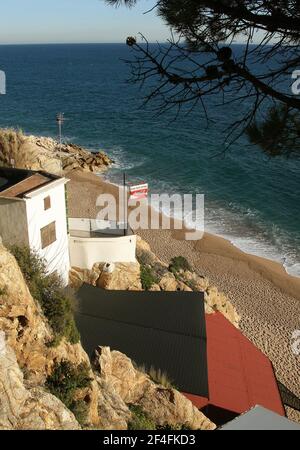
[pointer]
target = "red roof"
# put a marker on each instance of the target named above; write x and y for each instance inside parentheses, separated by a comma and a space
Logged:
(239, 375)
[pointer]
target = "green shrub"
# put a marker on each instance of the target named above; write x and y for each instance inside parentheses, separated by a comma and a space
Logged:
(56, 302)
(148, 277)
(140, 420)
(64, 382)
(178, 264)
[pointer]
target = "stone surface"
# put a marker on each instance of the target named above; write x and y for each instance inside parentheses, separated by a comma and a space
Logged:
(42, 153)
(216, 301)
(27, 332)
(164, 406)
(28, 409)
(24, 335)
(114, 414)
(124, 277)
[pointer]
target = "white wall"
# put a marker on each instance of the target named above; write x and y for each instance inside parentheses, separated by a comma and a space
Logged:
(94, 225)
(57, 254)
(85, 252)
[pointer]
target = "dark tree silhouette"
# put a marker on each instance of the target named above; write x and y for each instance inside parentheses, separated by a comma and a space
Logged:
(200, 61)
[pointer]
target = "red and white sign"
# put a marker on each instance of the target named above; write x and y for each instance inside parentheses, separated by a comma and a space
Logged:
(139, 192)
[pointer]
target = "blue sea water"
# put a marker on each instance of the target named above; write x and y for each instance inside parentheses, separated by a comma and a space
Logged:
(250, 199)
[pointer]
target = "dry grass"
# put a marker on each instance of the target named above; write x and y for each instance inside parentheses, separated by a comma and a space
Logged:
(10, 142)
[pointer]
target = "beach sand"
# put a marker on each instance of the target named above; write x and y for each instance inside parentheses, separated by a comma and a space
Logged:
(266, 297)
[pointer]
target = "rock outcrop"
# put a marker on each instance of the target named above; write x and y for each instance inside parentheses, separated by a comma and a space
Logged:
(41, 153)
(119, 276)
(26, 359)
(165, 406)
(22, 408)
(28, 333)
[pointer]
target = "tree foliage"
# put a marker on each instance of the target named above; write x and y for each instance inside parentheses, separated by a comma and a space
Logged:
(199, 61)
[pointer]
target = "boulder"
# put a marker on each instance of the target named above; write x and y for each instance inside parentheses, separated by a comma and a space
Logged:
(155, 288)
(113, 412)
(124, 277)
(165, 406)
(218, 302)
(168, 282)
(196, 281)
(42, 153)
(28, 409)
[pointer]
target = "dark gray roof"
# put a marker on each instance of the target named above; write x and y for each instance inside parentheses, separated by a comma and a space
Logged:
(164, 330)
(26, 180)
(260, 418)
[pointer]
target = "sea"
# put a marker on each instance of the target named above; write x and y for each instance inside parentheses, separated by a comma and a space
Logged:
(250, 199)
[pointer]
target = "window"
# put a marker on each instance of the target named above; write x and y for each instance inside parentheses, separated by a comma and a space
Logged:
(48, 235)
(47, 203)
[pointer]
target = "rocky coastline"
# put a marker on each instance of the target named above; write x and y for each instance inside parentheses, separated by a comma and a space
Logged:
(43, 153)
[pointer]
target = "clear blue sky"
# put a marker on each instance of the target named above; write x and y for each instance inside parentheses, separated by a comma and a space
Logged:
(64, 21)
(77, 21)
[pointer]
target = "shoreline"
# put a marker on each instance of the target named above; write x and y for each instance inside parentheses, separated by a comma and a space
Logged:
(264, 295)
(214, 244)
(275, 258)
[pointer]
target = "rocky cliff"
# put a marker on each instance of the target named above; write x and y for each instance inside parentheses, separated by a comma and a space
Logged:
(41, 153)
(27, 359)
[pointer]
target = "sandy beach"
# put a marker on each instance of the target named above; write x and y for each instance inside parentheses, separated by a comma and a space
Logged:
(266, 297)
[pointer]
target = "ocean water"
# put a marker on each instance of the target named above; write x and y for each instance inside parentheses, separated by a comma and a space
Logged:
(249, 199)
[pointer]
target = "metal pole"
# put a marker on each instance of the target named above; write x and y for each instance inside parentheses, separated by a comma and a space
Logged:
(125, 203)
(60, 121)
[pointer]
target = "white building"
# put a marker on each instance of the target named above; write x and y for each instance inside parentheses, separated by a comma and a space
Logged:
(97, 241)
(33, 214)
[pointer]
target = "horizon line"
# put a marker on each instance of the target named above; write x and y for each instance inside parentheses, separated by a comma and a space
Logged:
(89, 43)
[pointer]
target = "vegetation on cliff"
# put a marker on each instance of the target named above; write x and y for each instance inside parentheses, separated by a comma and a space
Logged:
(55, 301)
(179, 263)
(148, 277)
(65, 381)
(140, 420)
(99, 394)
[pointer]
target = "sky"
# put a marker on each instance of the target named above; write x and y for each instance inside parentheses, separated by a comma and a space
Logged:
(76, 21)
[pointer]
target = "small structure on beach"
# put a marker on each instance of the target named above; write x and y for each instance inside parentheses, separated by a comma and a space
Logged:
(100, 241)
(205, 356)
(33, 214)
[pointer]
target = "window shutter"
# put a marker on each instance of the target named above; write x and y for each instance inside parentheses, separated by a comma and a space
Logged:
(48, 235)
